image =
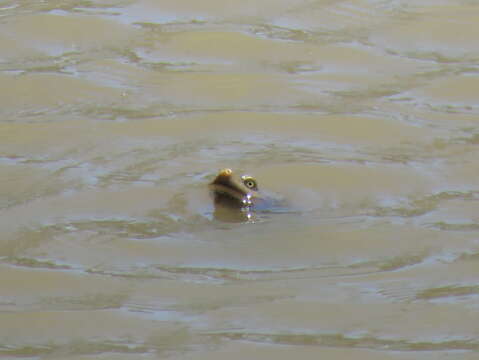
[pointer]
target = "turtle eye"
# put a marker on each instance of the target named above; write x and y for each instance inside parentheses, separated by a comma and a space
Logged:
(250, 183)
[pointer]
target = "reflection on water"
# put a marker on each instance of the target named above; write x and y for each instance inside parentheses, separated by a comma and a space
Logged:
(361, 114)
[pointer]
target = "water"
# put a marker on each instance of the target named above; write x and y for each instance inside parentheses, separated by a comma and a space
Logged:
(362, 114)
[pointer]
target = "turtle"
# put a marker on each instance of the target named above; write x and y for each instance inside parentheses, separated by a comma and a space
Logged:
(237, 198)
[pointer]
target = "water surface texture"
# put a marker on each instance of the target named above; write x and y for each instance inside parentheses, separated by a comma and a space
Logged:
(362, 114)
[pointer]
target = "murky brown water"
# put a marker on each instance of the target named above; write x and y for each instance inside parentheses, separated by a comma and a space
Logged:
(363, 114)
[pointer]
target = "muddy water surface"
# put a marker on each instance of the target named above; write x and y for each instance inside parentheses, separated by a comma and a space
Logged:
(362, 114)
